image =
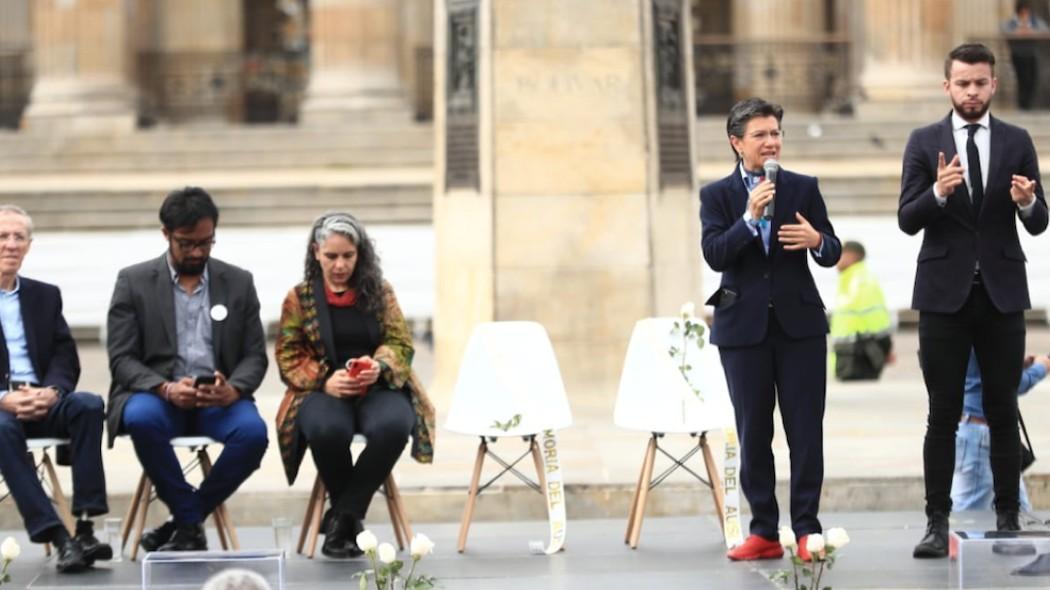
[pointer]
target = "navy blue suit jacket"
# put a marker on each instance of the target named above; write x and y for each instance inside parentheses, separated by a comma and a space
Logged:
(953, 240)
(52, 349)
(750, 278)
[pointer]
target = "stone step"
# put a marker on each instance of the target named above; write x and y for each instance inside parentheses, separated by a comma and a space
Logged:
(127, 201)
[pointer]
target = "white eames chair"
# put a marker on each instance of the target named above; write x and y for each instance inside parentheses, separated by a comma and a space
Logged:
(655, 397)
(509, 385)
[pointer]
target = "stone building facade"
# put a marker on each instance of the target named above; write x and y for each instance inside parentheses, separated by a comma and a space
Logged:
(118, 64)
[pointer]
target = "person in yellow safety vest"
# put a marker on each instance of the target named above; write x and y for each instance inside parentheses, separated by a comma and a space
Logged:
(860, 325)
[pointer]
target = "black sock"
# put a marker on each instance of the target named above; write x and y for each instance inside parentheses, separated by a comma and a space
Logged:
(85, 528)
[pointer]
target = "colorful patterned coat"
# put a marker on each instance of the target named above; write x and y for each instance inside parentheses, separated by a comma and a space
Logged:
(304, 366)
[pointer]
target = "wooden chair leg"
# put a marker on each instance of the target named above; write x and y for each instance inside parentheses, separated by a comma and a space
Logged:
(647, 476)
(541, 472)
(129, 517)
(140, 522)
(634, 499)
(402, 515)
(717, 492)
(396, 506)
(221, 516)
(472, 497)
(59, 496)
(315, 520)
(316, 494)
(391, 508)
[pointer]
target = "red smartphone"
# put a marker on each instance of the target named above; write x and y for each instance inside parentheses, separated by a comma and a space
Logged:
(355, 366)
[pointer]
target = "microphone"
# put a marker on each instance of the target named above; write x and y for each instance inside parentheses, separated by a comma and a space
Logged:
(770, 167)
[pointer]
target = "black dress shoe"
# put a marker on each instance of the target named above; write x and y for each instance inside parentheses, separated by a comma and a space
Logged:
(187, 537)
(340, 538)
(935, 543)
(94, 550)
(70, 555)
(152, 539)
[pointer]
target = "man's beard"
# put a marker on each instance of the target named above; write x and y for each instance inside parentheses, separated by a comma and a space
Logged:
(190, 268)
(970, 114)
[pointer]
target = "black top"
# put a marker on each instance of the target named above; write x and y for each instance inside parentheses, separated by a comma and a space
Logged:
(356, 332)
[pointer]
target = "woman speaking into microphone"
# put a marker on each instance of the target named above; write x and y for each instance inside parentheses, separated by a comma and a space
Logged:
(769, 321)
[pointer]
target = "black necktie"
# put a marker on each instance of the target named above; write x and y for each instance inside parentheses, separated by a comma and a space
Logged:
(973, 163)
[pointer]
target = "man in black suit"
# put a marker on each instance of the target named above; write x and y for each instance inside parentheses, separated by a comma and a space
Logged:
(967, 179)
(187, 351)
(769, 322)
(40, 368)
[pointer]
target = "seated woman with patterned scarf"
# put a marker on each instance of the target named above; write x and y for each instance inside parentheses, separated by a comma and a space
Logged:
(345, 353)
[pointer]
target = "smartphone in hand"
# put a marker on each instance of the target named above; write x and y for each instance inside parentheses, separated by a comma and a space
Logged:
(355, 366)
(203, 380)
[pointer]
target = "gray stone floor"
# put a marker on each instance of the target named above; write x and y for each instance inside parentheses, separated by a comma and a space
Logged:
(673, 553)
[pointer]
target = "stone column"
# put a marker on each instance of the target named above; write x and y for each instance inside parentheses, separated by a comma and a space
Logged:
(81, 50)
(191, 65)
(905, 42)
(777, 49)
(353, 61)
(565, 191)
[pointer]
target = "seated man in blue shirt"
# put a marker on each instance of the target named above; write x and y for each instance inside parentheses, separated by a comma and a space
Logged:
(40, 368)
(972, 481)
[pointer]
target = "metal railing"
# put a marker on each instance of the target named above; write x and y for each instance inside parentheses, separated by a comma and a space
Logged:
(814, 74)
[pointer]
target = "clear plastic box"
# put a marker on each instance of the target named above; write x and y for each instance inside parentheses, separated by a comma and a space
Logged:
(184, 570)
(990, 559)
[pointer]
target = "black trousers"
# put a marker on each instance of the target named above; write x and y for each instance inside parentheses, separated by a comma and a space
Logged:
(792, 373)
(329, 424)
(945, 341)
(78, 417)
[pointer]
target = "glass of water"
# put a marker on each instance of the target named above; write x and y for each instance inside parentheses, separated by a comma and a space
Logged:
(112, 536)
(282, 534)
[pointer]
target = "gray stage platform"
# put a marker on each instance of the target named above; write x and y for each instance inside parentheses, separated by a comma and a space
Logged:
(674, 553)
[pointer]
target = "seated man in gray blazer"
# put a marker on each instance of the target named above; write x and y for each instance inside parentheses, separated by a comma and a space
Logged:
(186, 352)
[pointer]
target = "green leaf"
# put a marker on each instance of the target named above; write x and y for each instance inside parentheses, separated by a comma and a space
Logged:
(364, 583)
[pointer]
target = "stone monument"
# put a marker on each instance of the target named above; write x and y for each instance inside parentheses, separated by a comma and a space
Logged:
(565, 190)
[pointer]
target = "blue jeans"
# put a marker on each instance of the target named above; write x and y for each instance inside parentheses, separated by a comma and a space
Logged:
(972, 481)
(153, 422)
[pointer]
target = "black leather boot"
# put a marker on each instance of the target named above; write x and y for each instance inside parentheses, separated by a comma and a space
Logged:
(935, 543)
(1009, 521)
(340, 538)
(69, 555)
(94, 550)
(187, 537)
(152, 539)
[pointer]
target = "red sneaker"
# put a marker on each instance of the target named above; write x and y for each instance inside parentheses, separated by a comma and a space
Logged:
(756, 547)
(803, 552)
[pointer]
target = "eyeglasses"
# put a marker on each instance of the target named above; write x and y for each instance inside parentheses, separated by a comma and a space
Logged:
(191, 245)
(764, 135)
(17, 238)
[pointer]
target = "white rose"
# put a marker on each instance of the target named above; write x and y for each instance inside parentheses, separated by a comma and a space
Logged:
(837, 537)
(421, 545)
(367, 541)
(9, 549)
(387, 554)
(815, 543)
(787, 537)
(688, 309)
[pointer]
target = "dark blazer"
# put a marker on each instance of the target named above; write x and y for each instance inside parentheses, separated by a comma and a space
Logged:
(750, 278)
(51, 347)
(954, 241)
(141, 337)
